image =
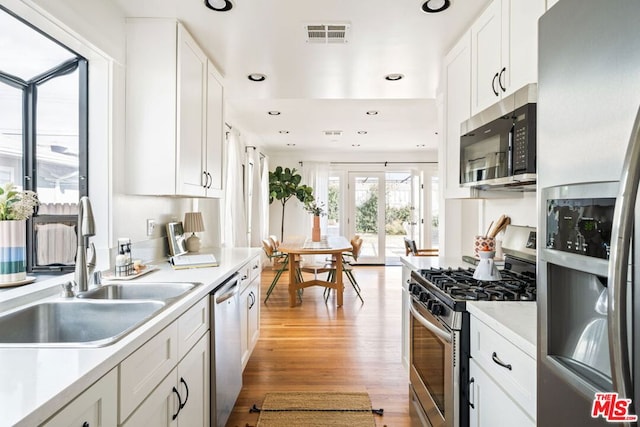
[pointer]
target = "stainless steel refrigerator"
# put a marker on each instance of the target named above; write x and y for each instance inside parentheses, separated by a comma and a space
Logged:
(588, 164)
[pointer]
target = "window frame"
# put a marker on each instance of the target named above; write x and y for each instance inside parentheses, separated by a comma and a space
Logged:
(29, 139)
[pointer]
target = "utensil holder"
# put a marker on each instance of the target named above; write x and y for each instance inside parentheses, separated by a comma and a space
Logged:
(483, 243)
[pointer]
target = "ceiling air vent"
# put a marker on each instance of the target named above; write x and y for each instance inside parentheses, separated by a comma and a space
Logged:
(333, 133)
(335, 33)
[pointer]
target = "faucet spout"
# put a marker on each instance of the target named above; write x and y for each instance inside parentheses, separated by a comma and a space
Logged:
(86, 229)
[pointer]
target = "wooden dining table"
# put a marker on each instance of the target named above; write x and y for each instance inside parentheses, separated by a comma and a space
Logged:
(330, 245)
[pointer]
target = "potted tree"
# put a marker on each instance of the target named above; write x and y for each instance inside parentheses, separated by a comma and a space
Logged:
(285, 184)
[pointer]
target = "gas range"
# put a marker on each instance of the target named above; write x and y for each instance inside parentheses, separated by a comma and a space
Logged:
(445, 291)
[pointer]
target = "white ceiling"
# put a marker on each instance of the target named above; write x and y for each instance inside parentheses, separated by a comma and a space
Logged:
(320, 87)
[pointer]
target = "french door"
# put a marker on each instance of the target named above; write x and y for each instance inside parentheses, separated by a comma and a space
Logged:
(383, 208)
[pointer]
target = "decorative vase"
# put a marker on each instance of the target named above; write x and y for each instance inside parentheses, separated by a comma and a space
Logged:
(13, 251)
(315, 231)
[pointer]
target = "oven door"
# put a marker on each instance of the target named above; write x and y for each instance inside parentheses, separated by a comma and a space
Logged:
(432, 372)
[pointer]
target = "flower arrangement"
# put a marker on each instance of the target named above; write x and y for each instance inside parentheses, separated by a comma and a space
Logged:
(15, 204)
(314, 208)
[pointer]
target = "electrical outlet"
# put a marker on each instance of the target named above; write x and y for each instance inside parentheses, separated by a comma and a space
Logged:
(151, 226)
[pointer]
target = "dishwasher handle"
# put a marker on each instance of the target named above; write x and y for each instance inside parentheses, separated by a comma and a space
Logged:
(227, 290)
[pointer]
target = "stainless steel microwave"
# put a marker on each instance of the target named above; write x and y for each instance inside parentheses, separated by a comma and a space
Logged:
(498, 145)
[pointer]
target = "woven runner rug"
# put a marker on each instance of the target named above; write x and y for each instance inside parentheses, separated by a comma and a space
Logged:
(311, 409)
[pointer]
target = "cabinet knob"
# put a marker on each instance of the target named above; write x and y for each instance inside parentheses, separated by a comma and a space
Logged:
(493, 85)
(497, 360)
(500, 79)
(86, 424)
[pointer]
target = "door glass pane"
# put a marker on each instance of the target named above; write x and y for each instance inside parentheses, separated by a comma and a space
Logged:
(57, 155)
(10, 135)
(333, 208)
(400, 215)
(435, 197)
(366, 202)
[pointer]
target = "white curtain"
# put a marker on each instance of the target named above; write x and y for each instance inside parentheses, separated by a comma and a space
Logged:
(316, 175)
(263, 203)
(234, 225)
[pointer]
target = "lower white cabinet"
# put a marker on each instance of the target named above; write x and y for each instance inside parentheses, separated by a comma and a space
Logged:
(249, 309)
(406, 302)
(182, 397)
(166, 381)
(95, 407)
(492, 407)
(502, 380)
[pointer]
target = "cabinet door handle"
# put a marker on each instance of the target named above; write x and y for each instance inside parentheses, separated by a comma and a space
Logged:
(496, 359)
(252, 298)
(502, 86)
(206, 179)
(471, 388)
(210, 180)
(186, 387)
(180, 405)
(86, 424)
(493, 85)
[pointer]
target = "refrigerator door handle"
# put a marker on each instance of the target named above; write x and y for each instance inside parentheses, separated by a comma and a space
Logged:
(620, 247)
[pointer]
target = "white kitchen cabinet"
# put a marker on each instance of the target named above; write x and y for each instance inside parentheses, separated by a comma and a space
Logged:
(170, 111)
(491, 406)
(215, 132)
(457, 108)
(504, 52)
(502, 380)
(97, 406)
(181, 399)
(249, 309)
(144, 388)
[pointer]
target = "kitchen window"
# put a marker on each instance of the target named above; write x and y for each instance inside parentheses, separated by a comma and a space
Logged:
(43, 136)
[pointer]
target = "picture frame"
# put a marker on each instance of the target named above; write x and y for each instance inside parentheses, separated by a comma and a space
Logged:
(176, 238)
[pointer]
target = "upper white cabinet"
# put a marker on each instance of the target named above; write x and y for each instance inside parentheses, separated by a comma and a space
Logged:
(457, 108)
(174, 119)
(504, 52)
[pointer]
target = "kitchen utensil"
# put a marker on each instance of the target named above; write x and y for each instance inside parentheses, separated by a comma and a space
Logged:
(488, 229)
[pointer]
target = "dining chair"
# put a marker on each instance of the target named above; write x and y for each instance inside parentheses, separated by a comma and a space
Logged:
(280, 262)
(348, 258)
(411, 249)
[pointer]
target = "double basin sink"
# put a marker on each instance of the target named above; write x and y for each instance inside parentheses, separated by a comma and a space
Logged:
(95, 318)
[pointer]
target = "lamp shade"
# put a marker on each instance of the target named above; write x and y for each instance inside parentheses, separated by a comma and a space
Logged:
(193, 222)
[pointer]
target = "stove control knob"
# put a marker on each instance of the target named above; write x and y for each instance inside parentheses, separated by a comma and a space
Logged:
(437, 309)
(430, 304)
(424, 297)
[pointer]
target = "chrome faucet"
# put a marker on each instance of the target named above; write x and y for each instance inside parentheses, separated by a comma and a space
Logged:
(86, 229)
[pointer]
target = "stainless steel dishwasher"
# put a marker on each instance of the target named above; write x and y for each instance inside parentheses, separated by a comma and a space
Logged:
(226, 365)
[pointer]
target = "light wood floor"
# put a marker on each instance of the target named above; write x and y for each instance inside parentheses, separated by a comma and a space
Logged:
(316, 347)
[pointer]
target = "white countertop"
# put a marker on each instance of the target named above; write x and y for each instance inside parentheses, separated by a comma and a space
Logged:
(37, 382)
(514, 320)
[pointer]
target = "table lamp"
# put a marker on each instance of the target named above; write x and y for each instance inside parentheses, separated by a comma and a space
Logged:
(193, 224)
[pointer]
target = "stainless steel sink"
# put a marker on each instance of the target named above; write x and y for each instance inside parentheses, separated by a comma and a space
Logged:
(138, 291)
(74, 323)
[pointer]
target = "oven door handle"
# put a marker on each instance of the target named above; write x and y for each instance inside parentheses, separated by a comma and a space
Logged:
(444, 335)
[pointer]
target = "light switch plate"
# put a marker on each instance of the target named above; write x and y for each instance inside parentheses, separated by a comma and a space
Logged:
(151, 226)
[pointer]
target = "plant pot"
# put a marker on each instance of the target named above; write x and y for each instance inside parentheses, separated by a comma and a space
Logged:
(315, 231)
(13, 251)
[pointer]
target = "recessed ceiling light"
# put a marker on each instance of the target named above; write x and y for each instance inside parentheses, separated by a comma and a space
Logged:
(291, 145)
(362, 132)
(218, 5)
(284, 132)
(274, 113)
(394, 77)
(355, 145)
(421, 145)
(257, 77)
(435, 6)
(372, 113)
